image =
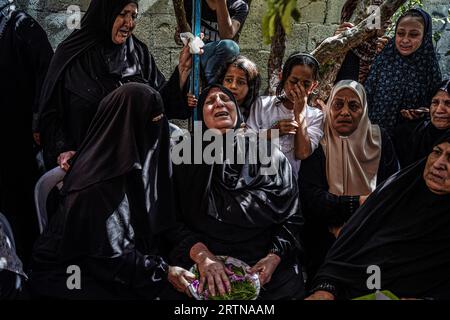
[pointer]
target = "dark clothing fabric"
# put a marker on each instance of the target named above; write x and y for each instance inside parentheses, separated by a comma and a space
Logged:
(398, 82)
(116, 204)
(11, 272)
(417, 144)
(323, 210)
(237, 9)
(349, 69)
(86, 67)
(25, 54)
(357, 62)
(237, 211)
(404, 229)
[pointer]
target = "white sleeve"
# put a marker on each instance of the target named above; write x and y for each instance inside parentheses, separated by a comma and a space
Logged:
(315, 127)
(254, 119)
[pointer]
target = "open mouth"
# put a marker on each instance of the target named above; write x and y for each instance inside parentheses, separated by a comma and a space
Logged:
(124, 33)
(221, 114)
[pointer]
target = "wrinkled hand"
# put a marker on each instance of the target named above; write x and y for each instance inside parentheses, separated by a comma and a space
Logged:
(213, 272)
(180, 279)
(266, 267)
(321, 295)
(192, 100)
(185, 60)
(63, 159)
(411, 114)
(299, 98)
(343, 27)
(287, 126)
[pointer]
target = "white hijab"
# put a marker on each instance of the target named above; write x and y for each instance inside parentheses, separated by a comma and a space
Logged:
(351, 162)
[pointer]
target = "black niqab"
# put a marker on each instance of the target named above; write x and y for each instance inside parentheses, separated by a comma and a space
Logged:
(125, 156)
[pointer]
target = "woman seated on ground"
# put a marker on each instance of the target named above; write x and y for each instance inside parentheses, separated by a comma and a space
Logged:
(404, 229)
(237, 209)
(404, 75)
(241, 76)
(93, 61)
(116, 204)
(353, 157)
(419, 143)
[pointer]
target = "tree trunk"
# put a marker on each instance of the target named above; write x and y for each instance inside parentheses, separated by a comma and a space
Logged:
(277, 50)
(180, 14)
(331, 52)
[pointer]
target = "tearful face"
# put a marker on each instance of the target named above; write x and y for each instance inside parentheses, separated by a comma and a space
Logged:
(219, 111)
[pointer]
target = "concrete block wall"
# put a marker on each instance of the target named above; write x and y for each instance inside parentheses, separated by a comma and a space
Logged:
(156, 26)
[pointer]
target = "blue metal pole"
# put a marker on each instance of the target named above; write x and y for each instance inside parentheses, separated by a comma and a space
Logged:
(195, 73)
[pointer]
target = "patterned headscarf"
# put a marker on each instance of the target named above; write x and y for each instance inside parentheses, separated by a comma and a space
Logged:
(400, 82)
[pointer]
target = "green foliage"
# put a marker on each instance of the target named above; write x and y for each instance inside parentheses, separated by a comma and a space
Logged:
(285, 9)
(410, 4)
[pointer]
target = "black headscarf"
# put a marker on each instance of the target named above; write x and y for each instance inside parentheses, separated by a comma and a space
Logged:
(397, 82)
(419, 143)
(404, 229)
(125, 155)
(96, 26)
(237, 194)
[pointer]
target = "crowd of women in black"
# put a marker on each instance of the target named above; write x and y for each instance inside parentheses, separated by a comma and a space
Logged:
(362, 179)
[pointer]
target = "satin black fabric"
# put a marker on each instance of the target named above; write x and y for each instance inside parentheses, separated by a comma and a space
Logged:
(25, 54)
(239, 212)
(116, 202)
(418, 143)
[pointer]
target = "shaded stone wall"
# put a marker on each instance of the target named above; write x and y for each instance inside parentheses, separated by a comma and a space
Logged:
(157, 23)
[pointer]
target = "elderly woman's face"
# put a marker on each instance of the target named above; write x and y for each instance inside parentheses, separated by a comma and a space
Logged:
(409, 35)
(440, 110)
(437, 169)
(219, 111)
(124, 24)
(346, 112)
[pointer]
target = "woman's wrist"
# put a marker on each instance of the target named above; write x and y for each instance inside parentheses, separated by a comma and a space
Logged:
(274, 256)
(199, 252)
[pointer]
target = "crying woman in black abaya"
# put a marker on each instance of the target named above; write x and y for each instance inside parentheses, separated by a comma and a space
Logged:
(231, 207)
(92, 62)
(116, 207)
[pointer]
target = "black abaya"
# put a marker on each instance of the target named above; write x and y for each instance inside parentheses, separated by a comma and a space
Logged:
(116, 204)
(404, 229)
(237, 211)
(86, 67)
(25, 54)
